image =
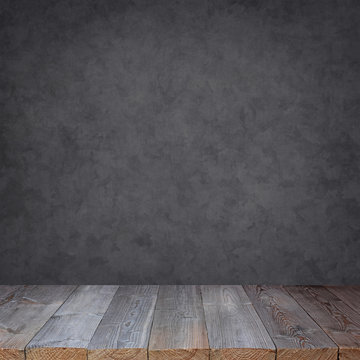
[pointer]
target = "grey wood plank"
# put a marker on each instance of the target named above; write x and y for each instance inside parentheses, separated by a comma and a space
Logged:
(124, 331)
(349, 294)
(234, 328)
(179, 330)
(294, 333)
(23, 311)
(68, 332)
(7, 292)
(337, 319)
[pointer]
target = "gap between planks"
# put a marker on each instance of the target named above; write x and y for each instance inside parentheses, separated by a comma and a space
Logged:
(235, 330)
(295, 334)
(24, 311)
(124, 331)
(67, 334)
(338, 320)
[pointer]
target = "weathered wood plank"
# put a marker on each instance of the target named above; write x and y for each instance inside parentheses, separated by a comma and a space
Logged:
(349, 294)
(337, 319)
(179, 330)
(294, 333)
(23, 311)
(124, 331)
(235, 330)
(7, 292)
(68, 332)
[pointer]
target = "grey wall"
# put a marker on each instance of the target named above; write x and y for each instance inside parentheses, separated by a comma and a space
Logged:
(180, 141)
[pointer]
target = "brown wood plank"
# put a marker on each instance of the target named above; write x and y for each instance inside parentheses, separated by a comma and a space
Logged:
(294, 333)
(349, 294)
(235, 330)
(337, 319)
(124, 331)
(23, 311)
(68, 332)
(179, 330)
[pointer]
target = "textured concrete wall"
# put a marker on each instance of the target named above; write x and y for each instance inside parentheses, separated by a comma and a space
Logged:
(180, 141)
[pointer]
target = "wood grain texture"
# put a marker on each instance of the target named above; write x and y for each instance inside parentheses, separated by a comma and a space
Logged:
(23, 311)
(294, 333)
(337, 319)
(7, 292)
(235, 330)
(349, 294)
(124, 331)
(68, 332)
(179, 330)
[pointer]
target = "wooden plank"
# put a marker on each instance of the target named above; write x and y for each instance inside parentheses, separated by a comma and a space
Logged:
(179, 330)
(294, 333)
(124, 331)
(68, 332)
(7, 292)
(337, 319)
(349, 294)
(23, 311)
(235, 330)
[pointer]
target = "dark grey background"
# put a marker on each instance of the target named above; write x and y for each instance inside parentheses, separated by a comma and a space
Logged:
(180, 141)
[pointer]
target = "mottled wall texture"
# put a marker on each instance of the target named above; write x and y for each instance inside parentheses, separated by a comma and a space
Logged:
(180, 141)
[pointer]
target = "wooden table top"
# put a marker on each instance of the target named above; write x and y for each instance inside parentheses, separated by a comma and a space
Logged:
(184, 322)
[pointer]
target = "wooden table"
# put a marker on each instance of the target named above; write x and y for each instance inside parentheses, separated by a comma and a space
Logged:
(181, 322)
